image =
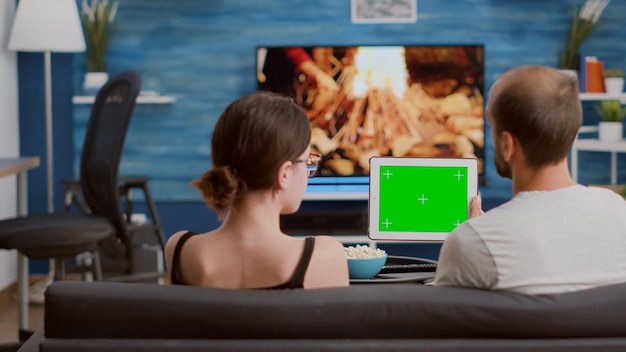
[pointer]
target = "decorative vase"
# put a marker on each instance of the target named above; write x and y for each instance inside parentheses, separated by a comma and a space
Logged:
(614, 85)
(610, 131)
(94, 81)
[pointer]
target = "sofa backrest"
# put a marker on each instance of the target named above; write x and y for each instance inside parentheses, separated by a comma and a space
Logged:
(77, 309)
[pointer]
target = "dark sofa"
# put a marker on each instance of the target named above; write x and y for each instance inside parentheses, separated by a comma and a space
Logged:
(105, 316)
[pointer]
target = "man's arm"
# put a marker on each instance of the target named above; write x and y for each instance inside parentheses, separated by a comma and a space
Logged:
(466, 261)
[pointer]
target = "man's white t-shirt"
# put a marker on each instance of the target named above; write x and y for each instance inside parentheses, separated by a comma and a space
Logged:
(540, 242)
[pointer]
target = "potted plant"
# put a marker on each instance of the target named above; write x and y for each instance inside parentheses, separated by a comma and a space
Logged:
(611, 116)
(583, 23)
(98, 25)
(613, 81)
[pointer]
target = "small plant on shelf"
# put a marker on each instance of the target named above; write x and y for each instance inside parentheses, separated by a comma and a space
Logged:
(583, 23)
(98, 24)
(97, 18)
(613, 81)
(611, 110)
(613, 72)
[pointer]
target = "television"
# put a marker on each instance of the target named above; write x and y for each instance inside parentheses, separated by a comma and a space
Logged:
(381, 100)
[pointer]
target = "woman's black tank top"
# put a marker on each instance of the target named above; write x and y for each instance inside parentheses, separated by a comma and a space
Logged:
(296, 280)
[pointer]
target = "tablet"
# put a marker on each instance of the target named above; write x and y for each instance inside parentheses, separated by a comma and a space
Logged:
(419, 199)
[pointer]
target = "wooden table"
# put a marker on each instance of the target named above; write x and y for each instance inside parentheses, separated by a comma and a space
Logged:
(19, 166)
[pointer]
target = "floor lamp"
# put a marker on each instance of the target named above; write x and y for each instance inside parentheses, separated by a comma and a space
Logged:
(47, 26)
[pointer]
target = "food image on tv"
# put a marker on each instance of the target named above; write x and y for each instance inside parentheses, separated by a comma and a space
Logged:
(364, 101)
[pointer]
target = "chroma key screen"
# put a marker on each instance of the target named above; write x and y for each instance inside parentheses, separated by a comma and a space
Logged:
(422, 198)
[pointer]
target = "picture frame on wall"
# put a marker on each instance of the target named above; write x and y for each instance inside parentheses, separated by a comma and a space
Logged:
(384, 11)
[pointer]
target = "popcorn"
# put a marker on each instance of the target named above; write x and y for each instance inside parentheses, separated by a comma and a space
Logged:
(362, 252)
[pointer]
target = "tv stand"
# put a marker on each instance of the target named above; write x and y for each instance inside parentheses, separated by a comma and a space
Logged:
(337, 192)
(326, 222)
(326, 196)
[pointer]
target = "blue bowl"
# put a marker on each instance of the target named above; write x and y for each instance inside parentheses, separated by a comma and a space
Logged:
(365, 268)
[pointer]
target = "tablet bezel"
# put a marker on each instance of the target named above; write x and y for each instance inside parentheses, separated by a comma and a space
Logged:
(374, 207)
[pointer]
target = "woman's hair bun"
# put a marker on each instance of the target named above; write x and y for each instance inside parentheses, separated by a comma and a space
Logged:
(220, 186)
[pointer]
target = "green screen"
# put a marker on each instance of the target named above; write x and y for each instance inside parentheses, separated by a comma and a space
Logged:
(422, 198)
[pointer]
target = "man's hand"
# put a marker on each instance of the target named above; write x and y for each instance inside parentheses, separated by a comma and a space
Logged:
(476, 207)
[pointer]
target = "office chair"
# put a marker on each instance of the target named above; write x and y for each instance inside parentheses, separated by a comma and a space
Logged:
(104, 192)
(62, 236)
(74, 200)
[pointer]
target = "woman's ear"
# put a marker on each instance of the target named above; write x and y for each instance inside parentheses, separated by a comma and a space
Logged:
(284, 174)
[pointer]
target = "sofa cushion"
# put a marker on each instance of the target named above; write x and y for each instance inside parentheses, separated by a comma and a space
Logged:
(130, 310)
(334, 345)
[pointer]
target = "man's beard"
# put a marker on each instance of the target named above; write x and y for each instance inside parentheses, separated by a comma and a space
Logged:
(502, 167)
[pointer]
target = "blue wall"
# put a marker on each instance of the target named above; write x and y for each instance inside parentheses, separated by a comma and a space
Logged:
(204, 53)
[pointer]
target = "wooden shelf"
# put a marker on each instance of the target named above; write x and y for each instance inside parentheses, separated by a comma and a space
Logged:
(602, 96)
(142, 99)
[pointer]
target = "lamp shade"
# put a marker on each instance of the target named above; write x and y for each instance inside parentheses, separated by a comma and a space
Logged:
(47, 25)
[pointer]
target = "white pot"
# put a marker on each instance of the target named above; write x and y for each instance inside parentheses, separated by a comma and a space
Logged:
(94, 81)
(610, 131)
(614, 85)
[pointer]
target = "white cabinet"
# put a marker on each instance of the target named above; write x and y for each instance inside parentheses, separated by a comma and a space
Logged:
(583, 143)
(595, 145)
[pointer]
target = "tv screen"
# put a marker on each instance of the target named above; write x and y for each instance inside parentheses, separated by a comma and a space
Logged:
(375, 100)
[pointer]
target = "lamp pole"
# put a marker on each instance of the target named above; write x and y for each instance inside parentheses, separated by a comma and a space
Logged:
(44, 26)
(49, 134)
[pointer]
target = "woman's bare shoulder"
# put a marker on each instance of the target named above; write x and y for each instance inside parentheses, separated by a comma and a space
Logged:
(173, 240)
(329, 264)
(171, 244)
(328, 242)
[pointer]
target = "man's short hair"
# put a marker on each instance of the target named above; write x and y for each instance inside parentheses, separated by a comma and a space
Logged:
(540, 106)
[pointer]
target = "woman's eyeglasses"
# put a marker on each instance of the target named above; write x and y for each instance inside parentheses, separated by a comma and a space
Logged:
(312, 163)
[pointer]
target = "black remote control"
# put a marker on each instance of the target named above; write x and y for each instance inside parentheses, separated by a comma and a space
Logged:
(408, 268)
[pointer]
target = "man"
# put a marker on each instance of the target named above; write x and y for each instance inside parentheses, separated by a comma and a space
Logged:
(554, 235)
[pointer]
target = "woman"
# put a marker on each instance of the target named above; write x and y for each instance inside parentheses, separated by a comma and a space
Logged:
(261, 160)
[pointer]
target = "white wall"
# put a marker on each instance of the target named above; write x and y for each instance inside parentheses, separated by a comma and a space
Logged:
(9, 134)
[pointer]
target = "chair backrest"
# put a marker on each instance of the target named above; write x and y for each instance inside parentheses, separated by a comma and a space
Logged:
(102, 148)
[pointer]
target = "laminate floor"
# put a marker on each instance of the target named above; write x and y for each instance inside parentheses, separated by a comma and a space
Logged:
(9, 316)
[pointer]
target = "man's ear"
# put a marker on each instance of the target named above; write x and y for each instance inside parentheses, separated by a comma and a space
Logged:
(508, 145)
(284, 174)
